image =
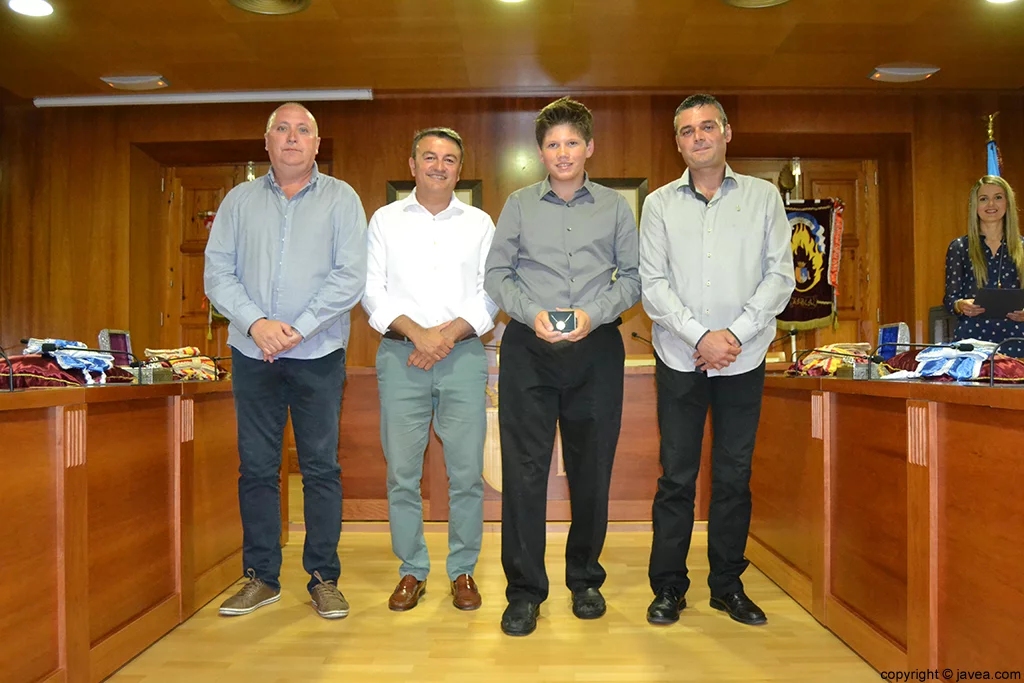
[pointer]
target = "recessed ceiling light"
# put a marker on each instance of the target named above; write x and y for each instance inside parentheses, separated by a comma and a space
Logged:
(903, 73)
(32, 8)
(511, 1)
(153, 82)
(1000, 2)
(754, 4)
(271, 6)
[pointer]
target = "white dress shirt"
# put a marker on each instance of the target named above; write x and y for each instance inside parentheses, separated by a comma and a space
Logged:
(726, 263)
(429, 268)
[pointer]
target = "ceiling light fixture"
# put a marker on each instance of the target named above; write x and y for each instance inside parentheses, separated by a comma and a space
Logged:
(208, 97)
(754, 4)
(271, 6)
(153, 82)
(903, 73)
(1001, 2)
(31, 8)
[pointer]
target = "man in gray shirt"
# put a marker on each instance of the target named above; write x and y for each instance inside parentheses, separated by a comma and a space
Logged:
(285, 262)
(717, 267)
(563, 244)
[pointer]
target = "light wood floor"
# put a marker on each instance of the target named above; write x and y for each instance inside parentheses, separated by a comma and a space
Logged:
(287, 641)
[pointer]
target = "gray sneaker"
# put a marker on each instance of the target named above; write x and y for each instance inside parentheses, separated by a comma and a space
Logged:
(328, 600)
(253, 595)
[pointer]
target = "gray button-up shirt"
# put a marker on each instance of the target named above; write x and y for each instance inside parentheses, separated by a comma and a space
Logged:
(548, 253)
(726, 263)
(300, 260)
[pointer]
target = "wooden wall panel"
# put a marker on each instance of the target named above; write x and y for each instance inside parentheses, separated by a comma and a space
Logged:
(981, 514)
(146, 250)
(787, 480)
(131, 559)
(29, 617)
(869, 523)
(69, 172)
(217, 526)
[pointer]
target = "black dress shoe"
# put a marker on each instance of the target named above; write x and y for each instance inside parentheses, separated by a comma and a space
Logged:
(520, 618)
(667, 605)
(740, 607)
(588, 603)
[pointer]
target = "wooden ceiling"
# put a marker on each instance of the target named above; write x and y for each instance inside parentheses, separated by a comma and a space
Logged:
(535, 46)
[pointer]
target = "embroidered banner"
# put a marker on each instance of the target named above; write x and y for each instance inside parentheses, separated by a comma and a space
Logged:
(817, 226)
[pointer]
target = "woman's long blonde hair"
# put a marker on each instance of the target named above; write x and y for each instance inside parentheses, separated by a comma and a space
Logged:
(1011, 231)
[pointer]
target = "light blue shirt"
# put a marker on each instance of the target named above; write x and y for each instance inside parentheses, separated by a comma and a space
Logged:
(300, 260)
(726, 263)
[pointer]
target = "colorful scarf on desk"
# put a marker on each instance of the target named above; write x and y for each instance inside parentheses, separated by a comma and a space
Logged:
(186, 362)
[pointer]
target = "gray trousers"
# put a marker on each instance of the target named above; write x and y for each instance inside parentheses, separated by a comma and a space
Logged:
(452, 392)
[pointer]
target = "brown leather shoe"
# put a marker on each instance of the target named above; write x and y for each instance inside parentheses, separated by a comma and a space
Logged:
(407, 594)
(465, 596)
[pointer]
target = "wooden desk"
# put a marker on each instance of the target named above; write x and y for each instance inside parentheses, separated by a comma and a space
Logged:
(120, 519)
(892, 513)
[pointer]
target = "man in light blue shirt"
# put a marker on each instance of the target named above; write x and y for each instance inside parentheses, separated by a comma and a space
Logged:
(285, 262)
(716, 268)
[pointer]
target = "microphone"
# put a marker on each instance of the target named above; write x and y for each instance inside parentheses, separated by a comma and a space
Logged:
(644, 340)
(10, 368)
(956, 346)
(992, 359)
(791, 333)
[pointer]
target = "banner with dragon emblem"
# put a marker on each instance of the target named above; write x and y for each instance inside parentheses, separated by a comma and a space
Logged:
(817, 226)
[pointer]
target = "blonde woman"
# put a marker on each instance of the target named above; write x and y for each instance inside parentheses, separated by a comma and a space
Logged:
(991, 256)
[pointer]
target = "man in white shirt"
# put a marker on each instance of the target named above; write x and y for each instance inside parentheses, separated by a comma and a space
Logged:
(424, 293)
(716, 267)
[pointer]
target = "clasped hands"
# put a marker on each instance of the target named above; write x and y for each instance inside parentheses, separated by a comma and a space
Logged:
(716, 350)
(274, 337)
(433, 344)
(545, 330)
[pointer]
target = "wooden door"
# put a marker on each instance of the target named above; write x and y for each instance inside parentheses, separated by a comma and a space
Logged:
(853, 181)
(196, 194)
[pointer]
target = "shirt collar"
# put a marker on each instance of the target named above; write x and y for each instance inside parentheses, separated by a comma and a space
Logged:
(686, 181)
(314, 176)
(586, 189)
(411, 203)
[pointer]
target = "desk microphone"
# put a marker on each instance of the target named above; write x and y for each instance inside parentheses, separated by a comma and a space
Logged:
(992, 359)
(956, 346)
(644, 340)
(51, 348)
(791, 333)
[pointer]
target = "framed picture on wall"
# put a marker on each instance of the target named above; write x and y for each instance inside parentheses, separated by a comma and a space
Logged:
(633, 189)
(468, 191)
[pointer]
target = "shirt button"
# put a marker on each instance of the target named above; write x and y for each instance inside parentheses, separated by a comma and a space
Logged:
(572, 279)
(570, 229)
(709, 254)
(709, 230)
(709, 283)
(706, 310)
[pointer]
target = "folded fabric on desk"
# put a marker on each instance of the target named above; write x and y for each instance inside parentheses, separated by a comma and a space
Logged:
(949, 364)
(187, 362)
(71, 355)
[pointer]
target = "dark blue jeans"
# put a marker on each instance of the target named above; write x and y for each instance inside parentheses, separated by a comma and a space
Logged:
(264, 393)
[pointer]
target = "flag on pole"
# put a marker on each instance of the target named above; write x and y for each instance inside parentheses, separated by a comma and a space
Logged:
(993, 148)
(993, 158)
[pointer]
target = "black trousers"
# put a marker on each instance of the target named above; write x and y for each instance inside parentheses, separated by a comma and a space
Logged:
(579, 385)
(683, 402)
(264, 393)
